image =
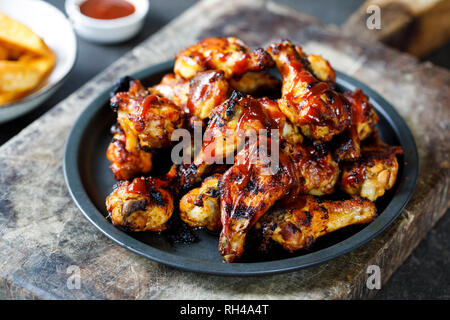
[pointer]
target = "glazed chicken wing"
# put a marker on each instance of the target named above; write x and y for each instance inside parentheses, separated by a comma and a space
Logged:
(229, 55)
(249, 188)
(364, 116)
(141, 205)
(147, 121)
(198, 96)
(299, 224)
(233, 121)
(373, 174)
(174, 88)
(200, 207)
(126, 164)
(311, 104)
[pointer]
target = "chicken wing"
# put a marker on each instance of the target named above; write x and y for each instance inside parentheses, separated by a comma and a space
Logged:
(373, 174)
(229, 55)
(147, 120)
(231, 123)
(249, 188)
(141, 205)
(126, 164)
(311, 104)
(299, 224)
(200, 207)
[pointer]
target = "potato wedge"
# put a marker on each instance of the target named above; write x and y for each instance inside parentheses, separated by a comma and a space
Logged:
(8, 97)
(17, 76)
(43, 64)
(16, 34)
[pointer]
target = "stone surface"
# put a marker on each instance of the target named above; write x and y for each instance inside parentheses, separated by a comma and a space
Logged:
(42, 232)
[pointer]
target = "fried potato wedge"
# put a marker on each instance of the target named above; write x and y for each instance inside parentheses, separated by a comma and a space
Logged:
(17, 76)
(17, 35)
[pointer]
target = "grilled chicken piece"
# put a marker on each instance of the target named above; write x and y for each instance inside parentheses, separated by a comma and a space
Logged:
(174, 88)
(200, 207)
(198, 96)
(141, 205)
(256, 83)
(297, 225)
(364, 115)
(207, 90)
(233, 121)
(147, 121)
(229, 55)
(126, 164)
(373, 174)
(311, 104)
(250, 187)
(315, 168)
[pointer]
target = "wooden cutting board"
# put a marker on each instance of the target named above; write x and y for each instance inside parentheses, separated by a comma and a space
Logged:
(43, 233)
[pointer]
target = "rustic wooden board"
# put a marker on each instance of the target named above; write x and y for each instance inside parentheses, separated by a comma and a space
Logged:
(42, 232)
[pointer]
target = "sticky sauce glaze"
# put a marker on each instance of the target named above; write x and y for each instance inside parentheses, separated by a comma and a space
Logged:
(107, 9)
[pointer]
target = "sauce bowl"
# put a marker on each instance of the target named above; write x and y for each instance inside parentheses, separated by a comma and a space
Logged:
(107, 30)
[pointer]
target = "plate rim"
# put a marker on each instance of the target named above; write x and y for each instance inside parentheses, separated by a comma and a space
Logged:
(404, 193)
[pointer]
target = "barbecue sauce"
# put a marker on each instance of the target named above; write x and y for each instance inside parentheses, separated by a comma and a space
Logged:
(106, 9)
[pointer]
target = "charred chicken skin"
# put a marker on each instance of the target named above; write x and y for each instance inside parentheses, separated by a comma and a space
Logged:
(126, 164)
(200, 207)
(141, 205)
(250, 187)
(373, 174)
(238, 118)
(148, 120)
(297, 225)
(309, 103)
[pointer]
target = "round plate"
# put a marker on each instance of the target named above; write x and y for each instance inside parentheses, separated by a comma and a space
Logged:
(90, 181)
(42, 18)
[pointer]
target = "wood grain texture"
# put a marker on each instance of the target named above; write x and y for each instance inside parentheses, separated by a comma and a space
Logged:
(42, 231)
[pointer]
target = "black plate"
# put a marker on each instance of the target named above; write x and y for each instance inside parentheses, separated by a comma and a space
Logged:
(90, 181)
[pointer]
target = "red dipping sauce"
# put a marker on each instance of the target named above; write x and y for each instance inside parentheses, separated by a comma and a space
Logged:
(106, 9)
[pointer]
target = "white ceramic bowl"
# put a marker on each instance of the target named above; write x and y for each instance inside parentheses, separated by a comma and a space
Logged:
(51, 25)
(107, 31)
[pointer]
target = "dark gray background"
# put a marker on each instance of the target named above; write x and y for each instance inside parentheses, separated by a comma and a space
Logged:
(424, 275)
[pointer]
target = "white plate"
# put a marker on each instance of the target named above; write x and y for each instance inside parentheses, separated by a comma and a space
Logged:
(51, 25)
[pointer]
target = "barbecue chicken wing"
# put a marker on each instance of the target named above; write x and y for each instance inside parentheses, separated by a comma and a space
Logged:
(249, 188)
(229, 55)
(197, 96)
(174, 88)
(141, 205)
(148, 120)
(311, 104)
(373, 174)
(233, 121)
(126, 164)
(364, 116)
(299, 224)
(200, 207)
